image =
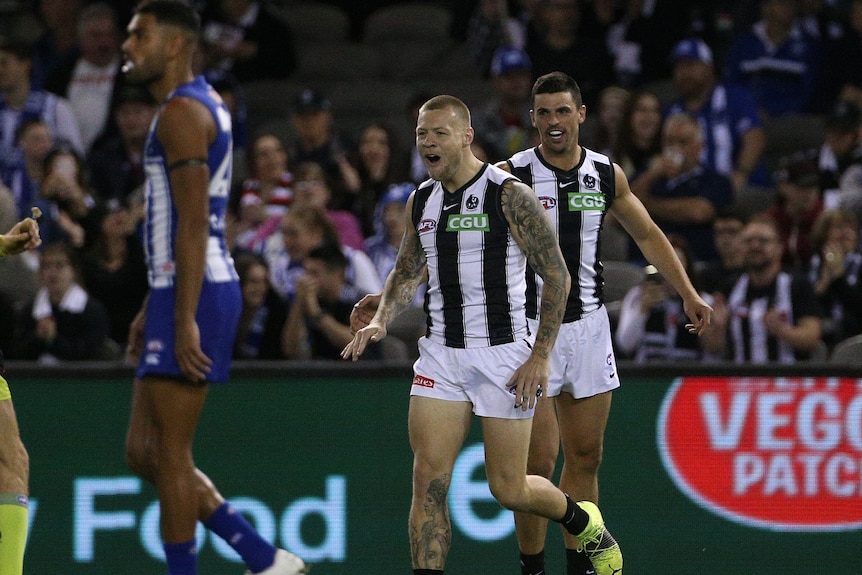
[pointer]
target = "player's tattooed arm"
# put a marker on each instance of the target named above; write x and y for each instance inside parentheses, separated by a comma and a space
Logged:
(409, 272)
(532, 229)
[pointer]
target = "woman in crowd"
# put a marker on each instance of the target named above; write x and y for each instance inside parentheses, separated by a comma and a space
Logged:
(834, 271)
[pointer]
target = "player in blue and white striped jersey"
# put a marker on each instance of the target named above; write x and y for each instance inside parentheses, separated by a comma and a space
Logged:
(183, 338)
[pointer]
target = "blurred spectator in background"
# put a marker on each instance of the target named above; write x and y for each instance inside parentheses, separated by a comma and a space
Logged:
(263, 312)
(769, 315)
(639, 140)
(776, 60)
(380, 162)
(840, 151)
(504, 123)
(682, 194)
(34, 139)
(63, 322)
(18, 103)
(491, 28)
(231, 92)
(797, 205)
(69, 217)
(564, 45)
(264, 197)
(734, 137)
(389, 222)
(116, 160)
(250, 40)
(303, 228)
(504, 118)
(641, 39)
(113, 268)
(312, 189)
(318, 140)
(59, 38)
(652, 320)
(90, 80)
(318, 323)
(612, 107)
(851, 90)
(721, 273)
(834, 271)
(827, 22)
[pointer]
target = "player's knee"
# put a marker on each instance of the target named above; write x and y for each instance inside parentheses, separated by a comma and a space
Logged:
(542, 465)
(587, 461)
(508, 494)
(139, 459)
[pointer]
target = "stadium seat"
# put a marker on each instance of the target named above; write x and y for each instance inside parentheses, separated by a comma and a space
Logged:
(337, 61)
(848, 352)
(791, 133)
(402, 60)
(270, 98)
(316, 22)
(370, 97)
(409, 22)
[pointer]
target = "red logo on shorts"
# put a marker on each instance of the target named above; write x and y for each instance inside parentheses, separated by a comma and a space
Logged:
(423, 381)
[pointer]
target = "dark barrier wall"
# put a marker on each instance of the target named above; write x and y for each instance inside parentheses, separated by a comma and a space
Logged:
(702, 475)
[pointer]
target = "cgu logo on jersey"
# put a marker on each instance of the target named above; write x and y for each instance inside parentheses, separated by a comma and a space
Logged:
(783, 454)
(586, 202)
(468, 223)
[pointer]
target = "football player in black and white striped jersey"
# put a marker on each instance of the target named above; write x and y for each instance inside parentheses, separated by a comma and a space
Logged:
(471, 231)
(577, 188)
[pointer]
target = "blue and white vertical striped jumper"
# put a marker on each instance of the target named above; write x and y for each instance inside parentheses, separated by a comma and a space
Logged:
(220, 301)
(161, 218)
(576, 202)
(476, 271)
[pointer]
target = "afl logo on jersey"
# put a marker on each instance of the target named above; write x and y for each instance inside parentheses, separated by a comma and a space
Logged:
(548, 202)
(426, 226)
(589, 181)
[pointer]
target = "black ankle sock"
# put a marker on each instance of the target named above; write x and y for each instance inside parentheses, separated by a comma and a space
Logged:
(577, 563)
(427, 572)
(576, 519)
(533, 564)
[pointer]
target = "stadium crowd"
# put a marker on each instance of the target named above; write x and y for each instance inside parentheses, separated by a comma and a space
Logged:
(737, 123)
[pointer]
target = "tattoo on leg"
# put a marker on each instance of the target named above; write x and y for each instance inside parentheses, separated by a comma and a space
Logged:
(431, 533)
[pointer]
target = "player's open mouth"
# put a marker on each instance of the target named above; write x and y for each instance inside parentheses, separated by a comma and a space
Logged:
(556, 134)
(432, 158)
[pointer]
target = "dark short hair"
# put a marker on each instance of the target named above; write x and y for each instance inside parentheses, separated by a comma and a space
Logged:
(557, 82)
(19, 48)
(331, 255)
(174, 12)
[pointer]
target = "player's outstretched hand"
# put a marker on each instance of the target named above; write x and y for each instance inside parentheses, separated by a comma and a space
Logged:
(363, 312)
(371, 333)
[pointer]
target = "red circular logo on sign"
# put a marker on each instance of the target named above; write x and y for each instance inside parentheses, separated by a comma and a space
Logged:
(779, 453)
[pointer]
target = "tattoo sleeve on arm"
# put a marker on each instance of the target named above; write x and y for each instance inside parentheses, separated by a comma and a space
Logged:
(404, 279)
(532, 229)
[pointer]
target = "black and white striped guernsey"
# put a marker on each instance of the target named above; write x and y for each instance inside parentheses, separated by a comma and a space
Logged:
(576, 201)
(476, 271)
